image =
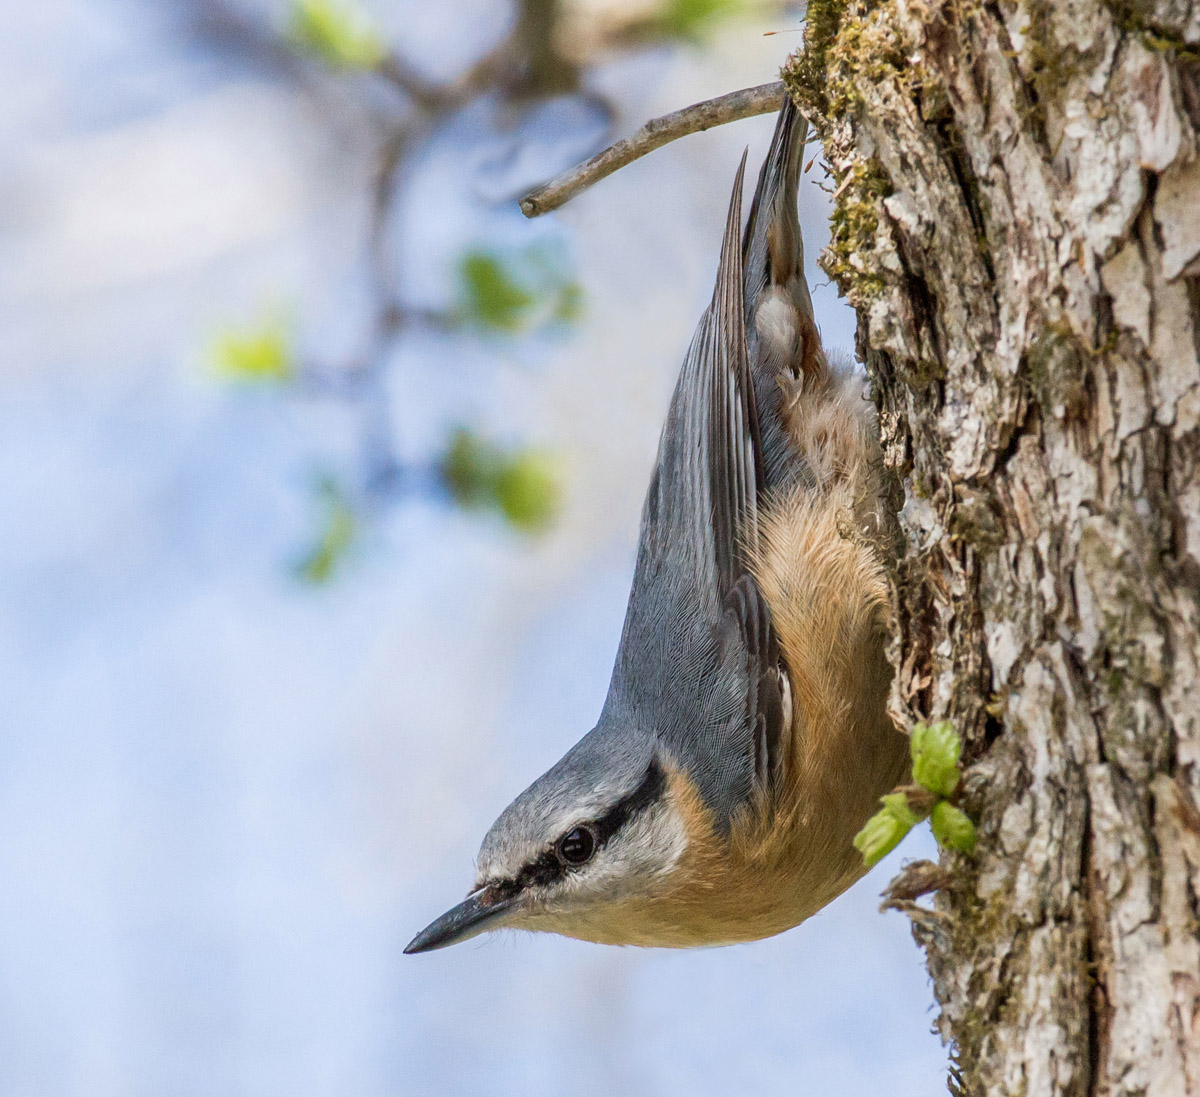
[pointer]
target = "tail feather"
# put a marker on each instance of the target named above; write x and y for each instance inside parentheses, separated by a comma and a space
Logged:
(772, 248)
(783, 341)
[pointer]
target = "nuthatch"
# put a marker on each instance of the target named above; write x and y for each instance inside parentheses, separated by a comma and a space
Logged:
(745, 738)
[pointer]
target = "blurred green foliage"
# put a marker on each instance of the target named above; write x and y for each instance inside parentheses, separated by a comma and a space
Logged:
(524, 485)
(516, 292)
(255, 354)
(692, 19)
(338, 533)
(513, 293)
(337, 32)
(490, 297)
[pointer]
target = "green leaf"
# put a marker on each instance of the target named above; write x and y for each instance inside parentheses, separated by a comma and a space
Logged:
(338, 534)
(897, 806)
(517, 291)
(886, 827)
(952, 828)
(522, 485)
(936, 750)
(258, 354)
(490, 295)
(336, 32)
(528, 490)
(881, 834)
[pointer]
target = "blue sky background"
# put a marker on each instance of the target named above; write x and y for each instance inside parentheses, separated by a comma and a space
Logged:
(227, 800)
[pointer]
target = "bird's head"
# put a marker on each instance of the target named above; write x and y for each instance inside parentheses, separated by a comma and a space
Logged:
(591, 850)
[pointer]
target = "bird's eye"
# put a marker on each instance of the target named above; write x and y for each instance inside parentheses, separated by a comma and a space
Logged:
(577, 845)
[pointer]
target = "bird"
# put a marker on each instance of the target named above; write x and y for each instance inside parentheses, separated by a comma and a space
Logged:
(745, 736)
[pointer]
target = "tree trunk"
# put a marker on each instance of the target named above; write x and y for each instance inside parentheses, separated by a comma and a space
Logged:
(1018, 226)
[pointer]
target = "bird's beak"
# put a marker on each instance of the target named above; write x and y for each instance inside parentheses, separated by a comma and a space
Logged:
(474, 915)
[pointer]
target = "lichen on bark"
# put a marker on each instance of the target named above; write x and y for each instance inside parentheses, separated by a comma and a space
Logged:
(1017, 188)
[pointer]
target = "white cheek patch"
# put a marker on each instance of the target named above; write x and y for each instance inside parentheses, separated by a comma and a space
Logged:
(637, 858)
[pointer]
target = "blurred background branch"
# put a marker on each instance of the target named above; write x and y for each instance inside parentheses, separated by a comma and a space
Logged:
(502, 293)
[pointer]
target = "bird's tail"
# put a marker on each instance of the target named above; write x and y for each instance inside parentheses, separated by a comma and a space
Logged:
(783, 341)
(772, 247)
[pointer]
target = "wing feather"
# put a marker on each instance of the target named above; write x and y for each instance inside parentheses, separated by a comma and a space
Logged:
(699, 665)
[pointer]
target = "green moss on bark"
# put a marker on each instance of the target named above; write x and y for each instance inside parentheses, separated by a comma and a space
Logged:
(845, 45)
(804, 74)
(849, 259)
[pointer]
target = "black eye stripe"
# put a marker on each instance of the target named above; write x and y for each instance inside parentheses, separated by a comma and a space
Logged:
(650, 790)
(546, 868)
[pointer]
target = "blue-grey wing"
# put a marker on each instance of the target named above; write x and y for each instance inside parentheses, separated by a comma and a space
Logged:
(698, 667)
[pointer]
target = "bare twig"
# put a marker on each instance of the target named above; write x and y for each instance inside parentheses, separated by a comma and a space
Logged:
(425, 94)
(915, 879)
(654, 134)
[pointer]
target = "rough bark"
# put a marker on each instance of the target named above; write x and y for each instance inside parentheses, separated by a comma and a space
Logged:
(1018, 226)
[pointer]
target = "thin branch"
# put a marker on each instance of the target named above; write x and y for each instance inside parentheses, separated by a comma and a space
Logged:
(424, 93)
(654, 134)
